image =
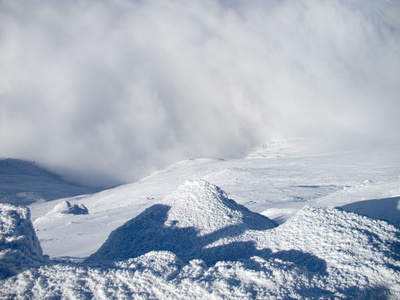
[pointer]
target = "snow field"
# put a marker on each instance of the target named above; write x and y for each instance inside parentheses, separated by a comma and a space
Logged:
(174, 238)
(307, 172)
(324, 253)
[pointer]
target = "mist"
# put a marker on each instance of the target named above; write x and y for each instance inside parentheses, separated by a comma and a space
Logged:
(106, 92)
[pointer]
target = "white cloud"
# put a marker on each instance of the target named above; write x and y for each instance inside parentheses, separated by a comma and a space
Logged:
(115, 89)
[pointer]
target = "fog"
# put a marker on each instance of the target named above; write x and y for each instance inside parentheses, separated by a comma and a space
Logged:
(106, 92)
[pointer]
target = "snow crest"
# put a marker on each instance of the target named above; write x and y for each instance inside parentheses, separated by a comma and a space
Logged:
(19, 245)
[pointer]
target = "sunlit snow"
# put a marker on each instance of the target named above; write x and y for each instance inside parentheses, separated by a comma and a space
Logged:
(209, 149)
(186, 231)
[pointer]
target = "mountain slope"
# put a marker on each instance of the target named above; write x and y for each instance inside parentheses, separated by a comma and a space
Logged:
(24, 183)
(277, 182)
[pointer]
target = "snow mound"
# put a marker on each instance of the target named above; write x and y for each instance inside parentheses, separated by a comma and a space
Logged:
(19, 245)
(207, 208)
(67, 208)
(343, 239)
(186, 223)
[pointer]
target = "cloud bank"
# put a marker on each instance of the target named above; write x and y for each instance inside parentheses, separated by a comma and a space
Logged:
(108, 91)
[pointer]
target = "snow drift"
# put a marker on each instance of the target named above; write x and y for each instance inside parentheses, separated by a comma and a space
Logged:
(19, 245)
(198, 237)
(186, 222)
(322, 253)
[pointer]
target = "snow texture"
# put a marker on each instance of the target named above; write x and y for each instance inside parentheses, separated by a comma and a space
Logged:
(19, 245)
(323, 253)
(185, 223)
(277, 184)
(338, 236)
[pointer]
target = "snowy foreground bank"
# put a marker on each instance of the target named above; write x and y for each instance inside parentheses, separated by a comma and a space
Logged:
(198, 243)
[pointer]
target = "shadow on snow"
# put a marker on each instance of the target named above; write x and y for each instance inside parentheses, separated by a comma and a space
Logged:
(387, 209)
(148, 232)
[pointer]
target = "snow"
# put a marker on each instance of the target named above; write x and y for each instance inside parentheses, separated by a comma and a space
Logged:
(19, 245)
(206, 208)
(296, 219)
(67, 208)
(24, 183)
(308, 171)
(185, 223)
(385, 209)
(320, 253)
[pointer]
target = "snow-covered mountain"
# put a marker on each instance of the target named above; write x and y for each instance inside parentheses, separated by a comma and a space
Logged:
(296, 219)
(24, 183)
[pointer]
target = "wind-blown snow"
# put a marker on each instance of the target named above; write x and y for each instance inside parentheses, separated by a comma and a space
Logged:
(320, 253)
(19, 245)
(207, 208)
